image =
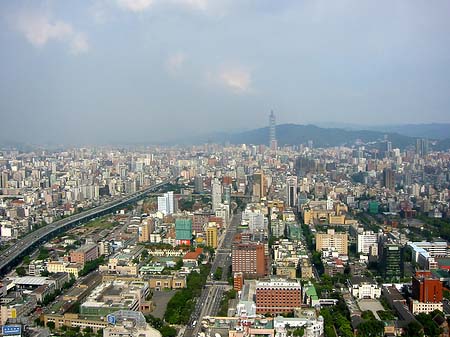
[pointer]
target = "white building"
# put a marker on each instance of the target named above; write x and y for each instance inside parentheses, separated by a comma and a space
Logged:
(418, 307)
(166, 203)
(367, 243)
(125, 323)
(291, 191)
(216, 194)
(363, 287)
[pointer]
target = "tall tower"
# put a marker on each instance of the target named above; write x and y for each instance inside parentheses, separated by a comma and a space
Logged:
(272, 135)
(216, 194)
(291, 191)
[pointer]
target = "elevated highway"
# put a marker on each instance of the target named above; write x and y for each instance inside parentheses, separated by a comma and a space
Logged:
(13, 255)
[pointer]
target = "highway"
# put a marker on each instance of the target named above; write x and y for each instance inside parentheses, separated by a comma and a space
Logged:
(12, 256)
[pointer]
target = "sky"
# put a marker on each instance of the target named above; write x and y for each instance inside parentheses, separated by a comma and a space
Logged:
(112, 71)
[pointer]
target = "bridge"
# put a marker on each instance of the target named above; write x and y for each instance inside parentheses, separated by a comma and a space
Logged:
(13, 255)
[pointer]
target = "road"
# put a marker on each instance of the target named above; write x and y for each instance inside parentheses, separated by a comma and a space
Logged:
(12, 256)
(208, 304)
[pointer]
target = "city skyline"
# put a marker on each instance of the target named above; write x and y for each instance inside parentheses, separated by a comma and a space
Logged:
(151, 71)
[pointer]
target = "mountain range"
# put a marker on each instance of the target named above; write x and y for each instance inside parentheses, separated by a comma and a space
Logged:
(295, 134)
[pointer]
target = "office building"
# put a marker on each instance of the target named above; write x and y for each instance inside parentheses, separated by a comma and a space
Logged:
(199, 221)
(389, 178)
(367, 243)
(291, 191)
(145, 229)
(259, 185)
(392, 261)
(250, 258)
(422, 147)
(426, 293)
(198, 184)
(211, 235)
(332, 240)
(166, 203)
(278, 297)
(272, 132)
(216, 194)
(84, 254)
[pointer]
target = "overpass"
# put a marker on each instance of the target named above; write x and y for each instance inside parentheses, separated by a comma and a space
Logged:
(13, 255)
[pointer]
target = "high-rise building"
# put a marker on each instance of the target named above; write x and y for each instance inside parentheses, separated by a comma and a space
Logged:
(272, 132)
(250, 258)
(166, 203)
(84, 254)
(216, 194)
(199, 220)
(291, 191)
(211, 235)
(392, 261)
(259, 186)
(276, 297)
(227, 194)
(333, 240)
(145, 229)
(198, 184)
(422, 147)
(367, 243)
(388, 178)
(426, 293)
(4, 180)
(183, 231)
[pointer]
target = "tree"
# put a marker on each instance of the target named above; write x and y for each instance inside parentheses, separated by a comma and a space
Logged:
(51, 325)
(218, 273)
(371, 328)
(21, 271)
(298, 332)
(414, 329)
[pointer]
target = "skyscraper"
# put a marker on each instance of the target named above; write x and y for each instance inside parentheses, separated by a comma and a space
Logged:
(216, 194)
(291, 190)
(166, 203)
(388, 178)
(272, 135)
(422, 147)
(259, 186)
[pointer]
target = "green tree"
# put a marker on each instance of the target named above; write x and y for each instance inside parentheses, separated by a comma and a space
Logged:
(218, 273)
(371, 328)
(414, 329)
(51, 325)
(21, 271)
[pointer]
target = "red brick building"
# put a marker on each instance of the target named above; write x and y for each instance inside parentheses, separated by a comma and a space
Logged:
(425, 288)
(250, 258)
(277, 297)
(84, 254)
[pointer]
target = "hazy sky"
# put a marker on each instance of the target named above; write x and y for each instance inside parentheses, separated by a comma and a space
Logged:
(147, 70)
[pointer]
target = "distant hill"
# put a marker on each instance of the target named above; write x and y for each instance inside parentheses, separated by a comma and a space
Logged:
(442, 145)
(431, 131)
(322, 137)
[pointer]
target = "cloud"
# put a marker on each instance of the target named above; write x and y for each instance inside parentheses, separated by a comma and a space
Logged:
(175, 62)
(39, 29)
(135, 5)
(143, 5)
(79, 44)
(237, 79)
(194, 4)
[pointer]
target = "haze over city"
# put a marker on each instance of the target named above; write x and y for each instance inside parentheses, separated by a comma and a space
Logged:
(153, 70)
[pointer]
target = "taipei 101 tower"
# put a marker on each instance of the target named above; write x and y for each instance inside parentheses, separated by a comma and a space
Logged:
(272, 135)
